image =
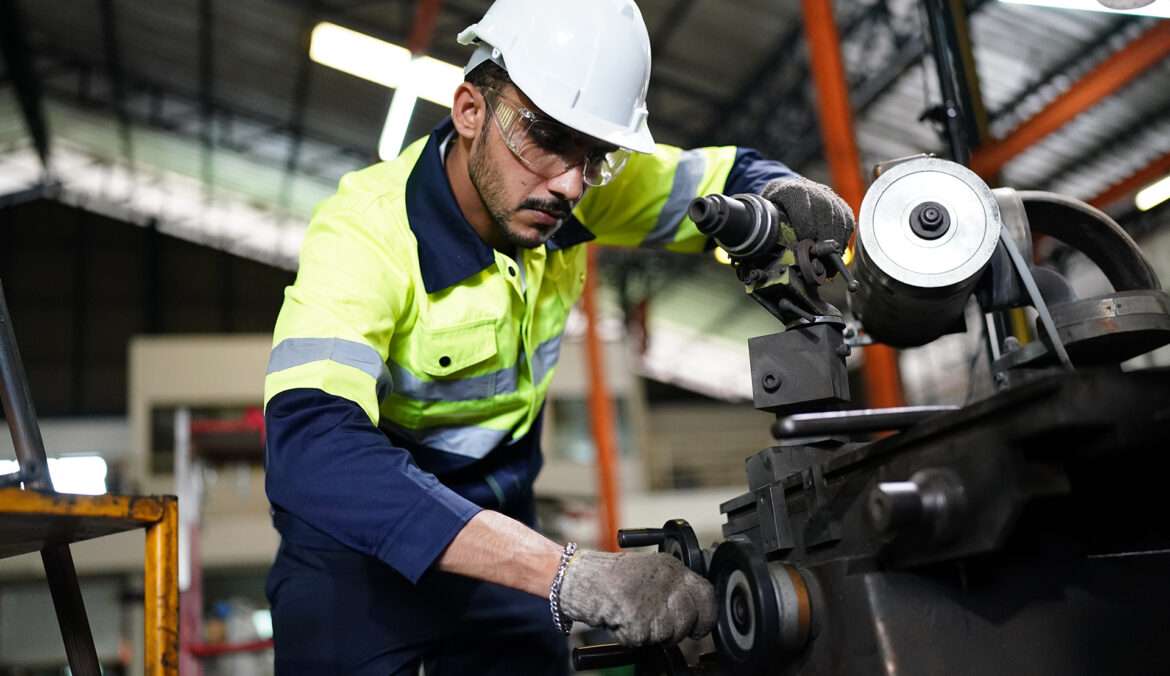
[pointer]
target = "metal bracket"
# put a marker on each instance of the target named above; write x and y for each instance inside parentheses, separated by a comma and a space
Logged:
(1025, 274)
(822, 527)
(775, 524)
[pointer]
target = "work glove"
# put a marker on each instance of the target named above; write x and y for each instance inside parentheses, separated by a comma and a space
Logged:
(814, 210)
(643, 598)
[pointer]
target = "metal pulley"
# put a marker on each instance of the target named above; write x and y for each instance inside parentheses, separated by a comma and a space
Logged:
(927, 229)
(765, 610)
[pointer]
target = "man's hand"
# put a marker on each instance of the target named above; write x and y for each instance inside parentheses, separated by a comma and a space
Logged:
(642, 598)
(814, 210)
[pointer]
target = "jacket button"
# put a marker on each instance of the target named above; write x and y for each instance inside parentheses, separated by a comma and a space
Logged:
(444, 361)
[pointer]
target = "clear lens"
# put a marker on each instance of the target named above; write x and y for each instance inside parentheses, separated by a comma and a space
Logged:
(549, 148)
(602, 169)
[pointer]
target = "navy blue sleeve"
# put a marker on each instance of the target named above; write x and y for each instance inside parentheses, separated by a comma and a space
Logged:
(751, 172)
(330, 467)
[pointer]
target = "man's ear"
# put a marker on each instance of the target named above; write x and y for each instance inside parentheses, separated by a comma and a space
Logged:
(468, 111)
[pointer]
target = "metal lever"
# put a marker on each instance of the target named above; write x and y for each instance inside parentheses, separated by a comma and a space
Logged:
(854, 421)
(607, 656)
(831, 249)
(649, 660)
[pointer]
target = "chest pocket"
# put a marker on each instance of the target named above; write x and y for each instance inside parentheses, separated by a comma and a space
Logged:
(459, 360)
(448, 350)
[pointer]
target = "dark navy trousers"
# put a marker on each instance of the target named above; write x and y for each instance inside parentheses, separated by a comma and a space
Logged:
(335, 611)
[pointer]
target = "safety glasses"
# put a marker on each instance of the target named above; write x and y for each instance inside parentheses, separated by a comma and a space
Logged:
(549, 148)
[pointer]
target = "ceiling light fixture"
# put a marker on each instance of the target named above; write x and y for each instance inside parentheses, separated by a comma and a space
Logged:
(384, 63)
(1152, 195)
(398, 119)
(389, 65)
(1156, 8)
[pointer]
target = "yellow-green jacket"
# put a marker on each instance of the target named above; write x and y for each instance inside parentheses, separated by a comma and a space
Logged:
(411, 361)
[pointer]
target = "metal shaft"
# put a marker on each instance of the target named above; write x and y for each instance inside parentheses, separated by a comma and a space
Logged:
(30, 454)
(854, 421)
(18, 407)
(942, 37)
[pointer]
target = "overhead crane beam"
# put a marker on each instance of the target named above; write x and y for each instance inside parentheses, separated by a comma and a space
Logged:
(1114, 144)
(1111, 75)
(1136, 181)
(1075, 61)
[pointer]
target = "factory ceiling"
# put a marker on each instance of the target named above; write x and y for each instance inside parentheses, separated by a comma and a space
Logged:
(208, 119)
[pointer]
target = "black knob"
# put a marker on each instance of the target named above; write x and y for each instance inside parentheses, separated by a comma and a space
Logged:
(894, 505)
(641, 537)
(933, 503)
(930, 220)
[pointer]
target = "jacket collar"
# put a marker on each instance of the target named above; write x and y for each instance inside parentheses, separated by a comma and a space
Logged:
(449, 249)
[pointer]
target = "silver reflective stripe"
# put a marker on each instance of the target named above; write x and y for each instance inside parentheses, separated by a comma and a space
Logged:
(465, 389)
(504, 381)
(687, 177)
(545, 358)
(299, 351)
(470, 441)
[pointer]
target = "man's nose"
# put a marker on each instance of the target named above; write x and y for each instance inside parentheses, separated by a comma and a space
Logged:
(568, 185)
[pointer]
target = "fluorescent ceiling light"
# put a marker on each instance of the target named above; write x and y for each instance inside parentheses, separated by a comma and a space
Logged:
(1157, 8)
(79, 474)
(397, 120)
(1153, 195)
(384, 63)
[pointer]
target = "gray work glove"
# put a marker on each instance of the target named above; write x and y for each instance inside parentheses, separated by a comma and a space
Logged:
(643, 598)
(814, 210)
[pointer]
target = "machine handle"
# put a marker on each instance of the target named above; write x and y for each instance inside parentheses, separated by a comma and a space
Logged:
(606, 656)
(641, 537)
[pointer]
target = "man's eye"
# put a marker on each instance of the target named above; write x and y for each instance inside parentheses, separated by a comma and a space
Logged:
(550, 140)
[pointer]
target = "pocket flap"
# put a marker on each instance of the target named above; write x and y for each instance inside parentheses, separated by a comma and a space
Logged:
(451, 349)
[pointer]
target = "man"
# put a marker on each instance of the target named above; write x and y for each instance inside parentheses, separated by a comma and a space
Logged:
(412, 356)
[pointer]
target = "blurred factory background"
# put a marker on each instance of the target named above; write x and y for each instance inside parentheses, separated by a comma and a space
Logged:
(159, 162)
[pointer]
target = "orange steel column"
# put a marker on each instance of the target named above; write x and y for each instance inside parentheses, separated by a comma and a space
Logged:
(601, 416)
(162, 592)
(426, 14)
(883, 385)
(1112, 74)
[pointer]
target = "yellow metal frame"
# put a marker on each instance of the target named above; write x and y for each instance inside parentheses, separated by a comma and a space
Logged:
(32, 520)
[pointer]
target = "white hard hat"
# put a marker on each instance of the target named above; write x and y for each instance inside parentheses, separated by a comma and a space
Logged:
(584, 63)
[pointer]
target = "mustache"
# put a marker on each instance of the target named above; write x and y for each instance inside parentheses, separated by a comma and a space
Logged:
(558, 208)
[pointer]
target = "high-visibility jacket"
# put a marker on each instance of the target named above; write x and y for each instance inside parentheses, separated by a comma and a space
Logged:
(410, 360)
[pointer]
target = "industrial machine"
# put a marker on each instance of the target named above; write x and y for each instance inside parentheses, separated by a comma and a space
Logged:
(1018, 534)
(1021, 533)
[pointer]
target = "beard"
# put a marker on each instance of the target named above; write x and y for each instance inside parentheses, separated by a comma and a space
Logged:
(488, 182)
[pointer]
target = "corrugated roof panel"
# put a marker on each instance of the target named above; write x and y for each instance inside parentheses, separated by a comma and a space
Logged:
(1094, 135)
